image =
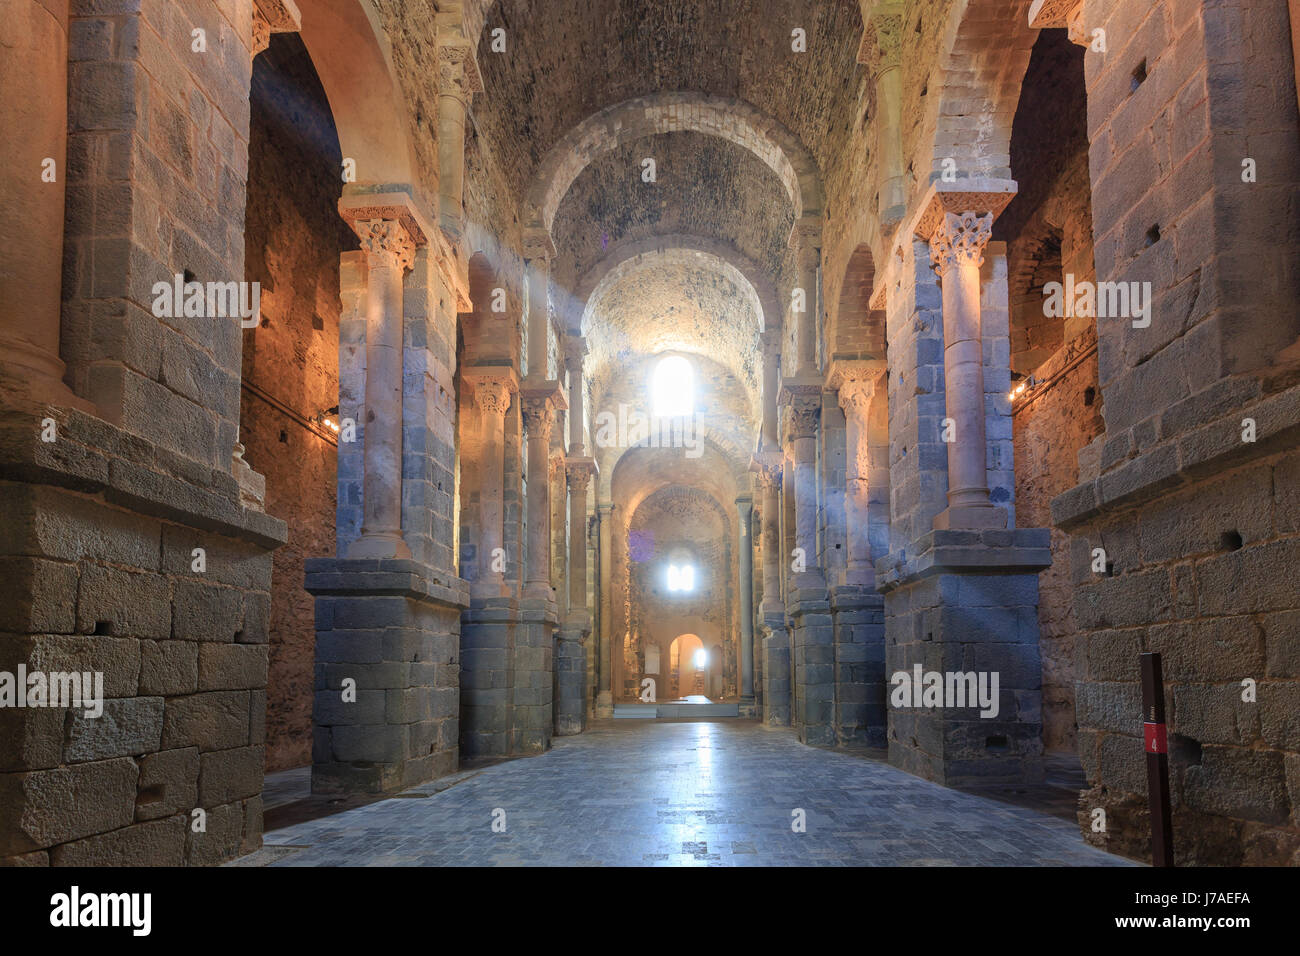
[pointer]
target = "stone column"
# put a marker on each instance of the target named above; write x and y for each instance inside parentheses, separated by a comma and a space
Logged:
(745, 548)
(776, 643)
(855, 399)
(390, 249)
(458, 80)
(957, 252)
(539, 418)
(880, 51)
(34, 114)
(806, 240)
(604, 684)
(492, 391)
(570, 651)
(805, 407)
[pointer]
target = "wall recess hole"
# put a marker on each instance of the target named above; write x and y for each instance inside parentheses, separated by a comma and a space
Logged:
(1089, 395)
(997, 744)
(103, 628)
(188, 276)
(1230, 541)
(1139, 76)
(1152, 237)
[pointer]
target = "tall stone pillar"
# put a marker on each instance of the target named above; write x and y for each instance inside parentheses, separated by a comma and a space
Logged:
(604, 685)
(767, 465)
(539, 408)
(492, 393)
(961, 592)
(390, 249)
(745, 549)
(570, 651)
(34, 113)
(854, 389)
(856, 608)
(388, 615)
(458, 81)
(880, 51)
(807, 600)
(957, 252)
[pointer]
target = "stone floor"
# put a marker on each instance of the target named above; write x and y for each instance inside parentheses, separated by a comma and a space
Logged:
(683, 793)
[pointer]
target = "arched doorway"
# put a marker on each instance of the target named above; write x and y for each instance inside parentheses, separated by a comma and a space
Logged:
(688, 667)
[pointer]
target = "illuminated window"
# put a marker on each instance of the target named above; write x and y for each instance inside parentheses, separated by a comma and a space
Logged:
(673, 388)
(701, 659)
(681, 577)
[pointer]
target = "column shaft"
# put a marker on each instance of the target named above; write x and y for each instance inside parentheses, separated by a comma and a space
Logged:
(957, 249)
(855, 399)
(604, 686)
(493, 398)
(745, 547)
(539, 419)
(389, 252)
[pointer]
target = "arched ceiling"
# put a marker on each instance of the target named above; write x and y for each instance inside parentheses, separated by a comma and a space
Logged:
(705, 186)
(568, 59)
(675, 301)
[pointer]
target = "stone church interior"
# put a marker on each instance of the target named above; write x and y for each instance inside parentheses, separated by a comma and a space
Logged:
(650, 432)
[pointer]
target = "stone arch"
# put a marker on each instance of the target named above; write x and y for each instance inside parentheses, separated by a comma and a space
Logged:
(351, 53)
(730, 119)
(856, 327)
(986, 47)
(712, 439)
(721, 254)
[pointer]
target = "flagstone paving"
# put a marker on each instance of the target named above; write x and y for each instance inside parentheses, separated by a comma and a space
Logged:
(685, 793)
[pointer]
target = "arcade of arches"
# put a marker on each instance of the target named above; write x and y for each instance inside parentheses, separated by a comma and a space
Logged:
(602, 339)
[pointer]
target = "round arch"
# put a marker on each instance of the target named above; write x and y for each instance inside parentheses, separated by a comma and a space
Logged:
(352, 57)
(731, 119)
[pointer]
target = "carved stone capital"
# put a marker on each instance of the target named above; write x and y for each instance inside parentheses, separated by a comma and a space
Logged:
(580, 471)
(882, 40)
(273, 16)
(539, 405)
(805, 412)
(492, 388)
(386, 224)
(1046, 14)
(575, 349)
(855, 398)
(960, 241)
(458, 72)
(385, 242)
(538, 245)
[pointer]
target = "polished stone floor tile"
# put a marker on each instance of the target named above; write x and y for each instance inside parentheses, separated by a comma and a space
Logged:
(686, 793)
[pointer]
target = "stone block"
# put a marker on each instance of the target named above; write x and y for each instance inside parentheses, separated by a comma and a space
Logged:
(226, 775)
(169, 668)
(232, 666)
(127, 727)
(168, 784)
(205, 612)
(65, 803)
(211, 721)
(111, 601)
(155, 843)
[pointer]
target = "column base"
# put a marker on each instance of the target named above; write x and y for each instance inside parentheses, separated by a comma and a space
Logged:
(531, 724)
(776, 672)
(972, 517)
(861, 701)
(604, 705)
(812, 650)
(382, 545)
(393, 627)
(748, 706)
(570, 680)
(964, 609)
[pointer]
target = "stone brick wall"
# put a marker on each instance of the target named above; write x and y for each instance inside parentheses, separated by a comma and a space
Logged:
(294, 237)
(157, 162)
(104, 575)
(1194, 517)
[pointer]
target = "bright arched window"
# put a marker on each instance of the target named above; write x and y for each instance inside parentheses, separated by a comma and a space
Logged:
(681, 577)
(673, 388)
